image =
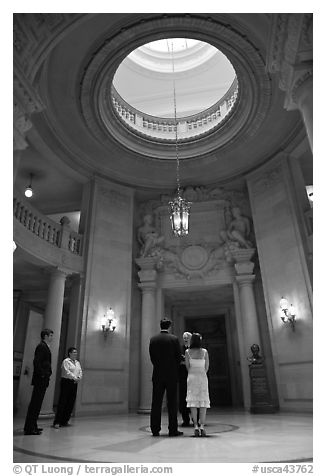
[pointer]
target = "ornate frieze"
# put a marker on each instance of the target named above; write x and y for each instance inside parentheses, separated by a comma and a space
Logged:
(35, 33)
(116, 198)
(193, 261)
(217, 227)
(301, 81)
(267, 180)
(26, 102)
(249, 114)
(290, 52)
(198, 193)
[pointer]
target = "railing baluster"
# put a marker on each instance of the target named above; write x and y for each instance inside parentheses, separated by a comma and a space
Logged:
(44, 227)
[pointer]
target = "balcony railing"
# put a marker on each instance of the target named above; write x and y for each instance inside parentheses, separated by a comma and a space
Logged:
(60, 236)
(164, 128)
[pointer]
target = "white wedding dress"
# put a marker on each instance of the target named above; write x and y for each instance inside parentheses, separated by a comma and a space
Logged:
(197, 383)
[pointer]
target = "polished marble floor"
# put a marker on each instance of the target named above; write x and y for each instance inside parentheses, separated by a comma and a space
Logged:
(233, 437)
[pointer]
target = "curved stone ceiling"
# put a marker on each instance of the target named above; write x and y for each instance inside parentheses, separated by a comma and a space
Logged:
(76, 81)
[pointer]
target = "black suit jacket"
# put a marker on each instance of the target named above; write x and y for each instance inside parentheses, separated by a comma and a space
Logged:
(42, 364)
(165, 354)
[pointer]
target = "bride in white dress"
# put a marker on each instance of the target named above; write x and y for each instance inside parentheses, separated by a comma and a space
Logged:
(197, 363)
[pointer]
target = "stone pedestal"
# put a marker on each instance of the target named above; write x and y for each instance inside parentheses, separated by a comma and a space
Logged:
(52, 320)
(261, 401)
(147, 276)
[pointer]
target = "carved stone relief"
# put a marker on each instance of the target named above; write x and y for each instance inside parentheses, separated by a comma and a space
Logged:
(204, 251)
(192, 262)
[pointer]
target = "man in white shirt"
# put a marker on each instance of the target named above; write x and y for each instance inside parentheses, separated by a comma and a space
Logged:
(71, 374)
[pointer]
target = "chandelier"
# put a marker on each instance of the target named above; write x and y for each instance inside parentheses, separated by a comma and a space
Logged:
(179, 207)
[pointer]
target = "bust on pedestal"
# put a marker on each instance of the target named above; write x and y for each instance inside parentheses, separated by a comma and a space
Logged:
(261, 401)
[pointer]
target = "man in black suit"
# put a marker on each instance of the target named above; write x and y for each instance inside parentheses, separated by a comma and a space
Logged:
(165, 354)
(40, 381)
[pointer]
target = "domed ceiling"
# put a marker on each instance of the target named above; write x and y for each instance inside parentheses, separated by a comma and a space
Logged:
(175, 77)
(80, 128)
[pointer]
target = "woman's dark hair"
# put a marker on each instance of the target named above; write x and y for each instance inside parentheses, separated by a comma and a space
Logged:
(71, 349)
(195, 342)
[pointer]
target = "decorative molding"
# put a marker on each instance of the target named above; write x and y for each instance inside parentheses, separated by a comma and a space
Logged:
(206, 262)
(297, 399)
(245, 280)
(26, 102)
(290, 52)
(302, 362)
(276, 42)
(115, 197)
(303, 80)
(250, 110)
(269, 179)
(35, 34)
(219, 196)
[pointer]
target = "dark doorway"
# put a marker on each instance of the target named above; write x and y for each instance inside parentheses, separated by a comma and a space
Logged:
(212, 329)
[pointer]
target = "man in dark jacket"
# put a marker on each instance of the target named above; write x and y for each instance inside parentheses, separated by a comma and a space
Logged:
(165, 354)
(40, 381)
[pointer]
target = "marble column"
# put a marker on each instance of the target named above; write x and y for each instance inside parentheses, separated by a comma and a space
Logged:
(52, 320)
(248, 310)
(247, 321)
(75, 314)
(303, 96)
(147, 285)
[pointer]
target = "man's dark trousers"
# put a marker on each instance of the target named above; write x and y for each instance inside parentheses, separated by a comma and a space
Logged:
(159, 387)
(35, 405)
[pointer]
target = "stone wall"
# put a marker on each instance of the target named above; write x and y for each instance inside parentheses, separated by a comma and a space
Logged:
(284, 273)
(108, 270)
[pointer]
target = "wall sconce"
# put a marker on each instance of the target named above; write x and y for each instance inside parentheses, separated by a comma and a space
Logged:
(109, 323)
(28, 190)
(288, 313)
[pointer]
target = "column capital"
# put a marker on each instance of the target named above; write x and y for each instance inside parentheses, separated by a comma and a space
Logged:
(59, 273)
(245, 279)
(148, 276)
(147, 263)
(149, 287)
(242, 257)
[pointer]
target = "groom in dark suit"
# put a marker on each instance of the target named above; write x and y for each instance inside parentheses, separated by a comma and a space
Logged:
(165, 354)
(40, 381)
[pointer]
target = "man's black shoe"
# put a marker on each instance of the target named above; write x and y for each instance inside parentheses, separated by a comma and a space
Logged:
(176, 433)
(39, 429)
(33, 432)
(156, 434)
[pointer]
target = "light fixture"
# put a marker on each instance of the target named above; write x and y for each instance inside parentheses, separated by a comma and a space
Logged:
(287, 312)
(29, 190)
(179, 207)
(109, 322)
(310, 193)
